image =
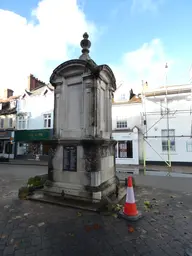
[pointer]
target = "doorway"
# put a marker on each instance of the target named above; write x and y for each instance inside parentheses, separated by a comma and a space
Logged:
(129, 149)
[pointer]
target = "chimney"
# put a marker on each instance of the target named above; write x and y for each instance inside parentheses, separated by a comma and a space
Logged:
(31, 83)
(34, 83)
(8, 93)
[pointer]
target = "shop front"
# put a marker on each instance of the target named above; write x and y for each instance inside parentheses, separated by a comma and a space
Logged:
(6, 144)
(127, 147)
(33, 143)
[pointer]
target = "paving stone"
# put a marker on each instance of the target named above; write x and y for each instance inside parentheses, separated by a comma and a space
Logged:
(20, 252)
(45, 252)
(64, 233)
(33, 249)
(9, 250)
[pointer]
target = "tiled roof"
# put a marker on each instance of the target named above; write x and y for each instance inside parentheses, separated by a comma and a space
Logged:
(9, 99)
(40, 90)
(135, 99)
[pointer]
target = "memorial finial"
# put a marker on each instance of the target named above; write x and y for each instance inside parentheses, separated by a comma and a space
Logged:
(85, 44)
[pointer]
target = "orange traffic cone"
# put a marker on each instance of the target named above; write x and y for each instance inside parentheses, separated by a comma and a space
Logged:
(130, 211)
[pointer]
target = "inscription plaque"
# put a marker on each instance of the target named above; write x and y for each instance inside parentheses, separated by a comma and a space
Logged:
(70, 158)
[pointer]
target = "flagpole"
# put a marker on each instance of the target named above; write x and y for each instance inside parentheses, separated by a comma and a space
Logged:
(168, 133)
(144, 126)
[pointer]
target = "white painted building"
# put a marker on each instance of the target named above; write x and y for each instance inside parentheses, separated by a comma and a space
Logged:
(34, 121)
(174, 126)
(126, 123)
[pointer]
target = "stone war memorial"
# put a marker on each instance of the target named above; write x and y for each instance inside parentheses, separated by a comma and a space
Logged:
(82, 166)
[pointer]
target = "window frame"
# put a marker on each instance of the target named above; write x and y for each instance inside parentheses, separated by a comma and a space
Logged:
(2, 146)
(21, 123)
(123, 96)
(47, 120)
(121, 124)
(10, 122)
(189, 146)
(164, 140)
(2, 123)
(118, 153)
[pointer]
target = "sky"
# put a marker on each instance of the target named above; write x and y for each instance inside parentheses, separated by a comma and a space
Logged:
(136, 38)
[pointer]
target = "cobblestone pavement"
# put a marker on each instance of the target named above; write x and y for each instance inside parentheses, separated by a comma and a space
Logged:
(34, 229)
(29, 228)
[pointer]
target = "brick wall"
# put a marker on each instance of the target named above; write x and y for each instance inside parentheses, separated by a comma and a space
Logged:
(34, 83)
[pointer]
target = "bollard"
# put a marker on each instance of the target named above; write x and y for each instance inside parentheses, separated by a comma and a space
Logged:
(126, 182)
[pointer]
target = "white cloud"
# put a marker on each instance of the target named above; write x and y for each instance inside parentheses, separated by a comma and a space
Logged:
(146, 63)
(146, 5)
(38, 45)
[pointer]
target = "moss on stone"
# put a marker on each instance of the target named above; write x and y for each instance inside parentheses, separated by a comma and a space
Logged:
(23, 193)
(36, 181)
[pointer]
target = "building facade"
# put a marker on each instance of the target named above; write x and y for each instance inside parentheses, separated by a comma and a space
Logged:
(126, 125)
(8, 104)
(34, 120)
(167, 125)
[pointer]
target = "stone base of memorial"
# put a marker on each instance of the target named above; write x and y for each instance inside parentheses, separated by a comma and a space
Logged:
(83, 170)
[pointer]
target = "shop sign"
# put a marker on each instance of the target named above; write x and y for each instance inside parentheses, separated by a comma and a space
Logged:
(33, 135)
(5, 134)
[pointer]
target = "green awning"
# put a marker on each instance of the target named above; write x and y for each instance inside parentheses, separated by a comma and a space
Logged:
(33, 135)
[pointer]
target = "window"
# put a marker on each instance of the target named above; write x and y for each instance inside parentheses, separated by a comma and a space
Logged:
(125, 149)
(8, 148)
(22, 123)
(47, 120)
(129, 149)
(165, 134)
(121, 124)
(10, 122)
(116, 148)
(1, 146)
(123, 96)
(2, 123)
(189, 146)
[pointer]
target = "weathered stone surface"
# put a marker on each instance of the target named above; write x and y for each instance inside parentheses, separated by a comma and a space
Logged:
(83, 164)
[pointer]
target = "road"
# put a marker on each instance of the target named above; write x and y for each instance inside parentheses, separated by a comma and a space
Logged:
(35, 229)
(12, 177)
(180, 184)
